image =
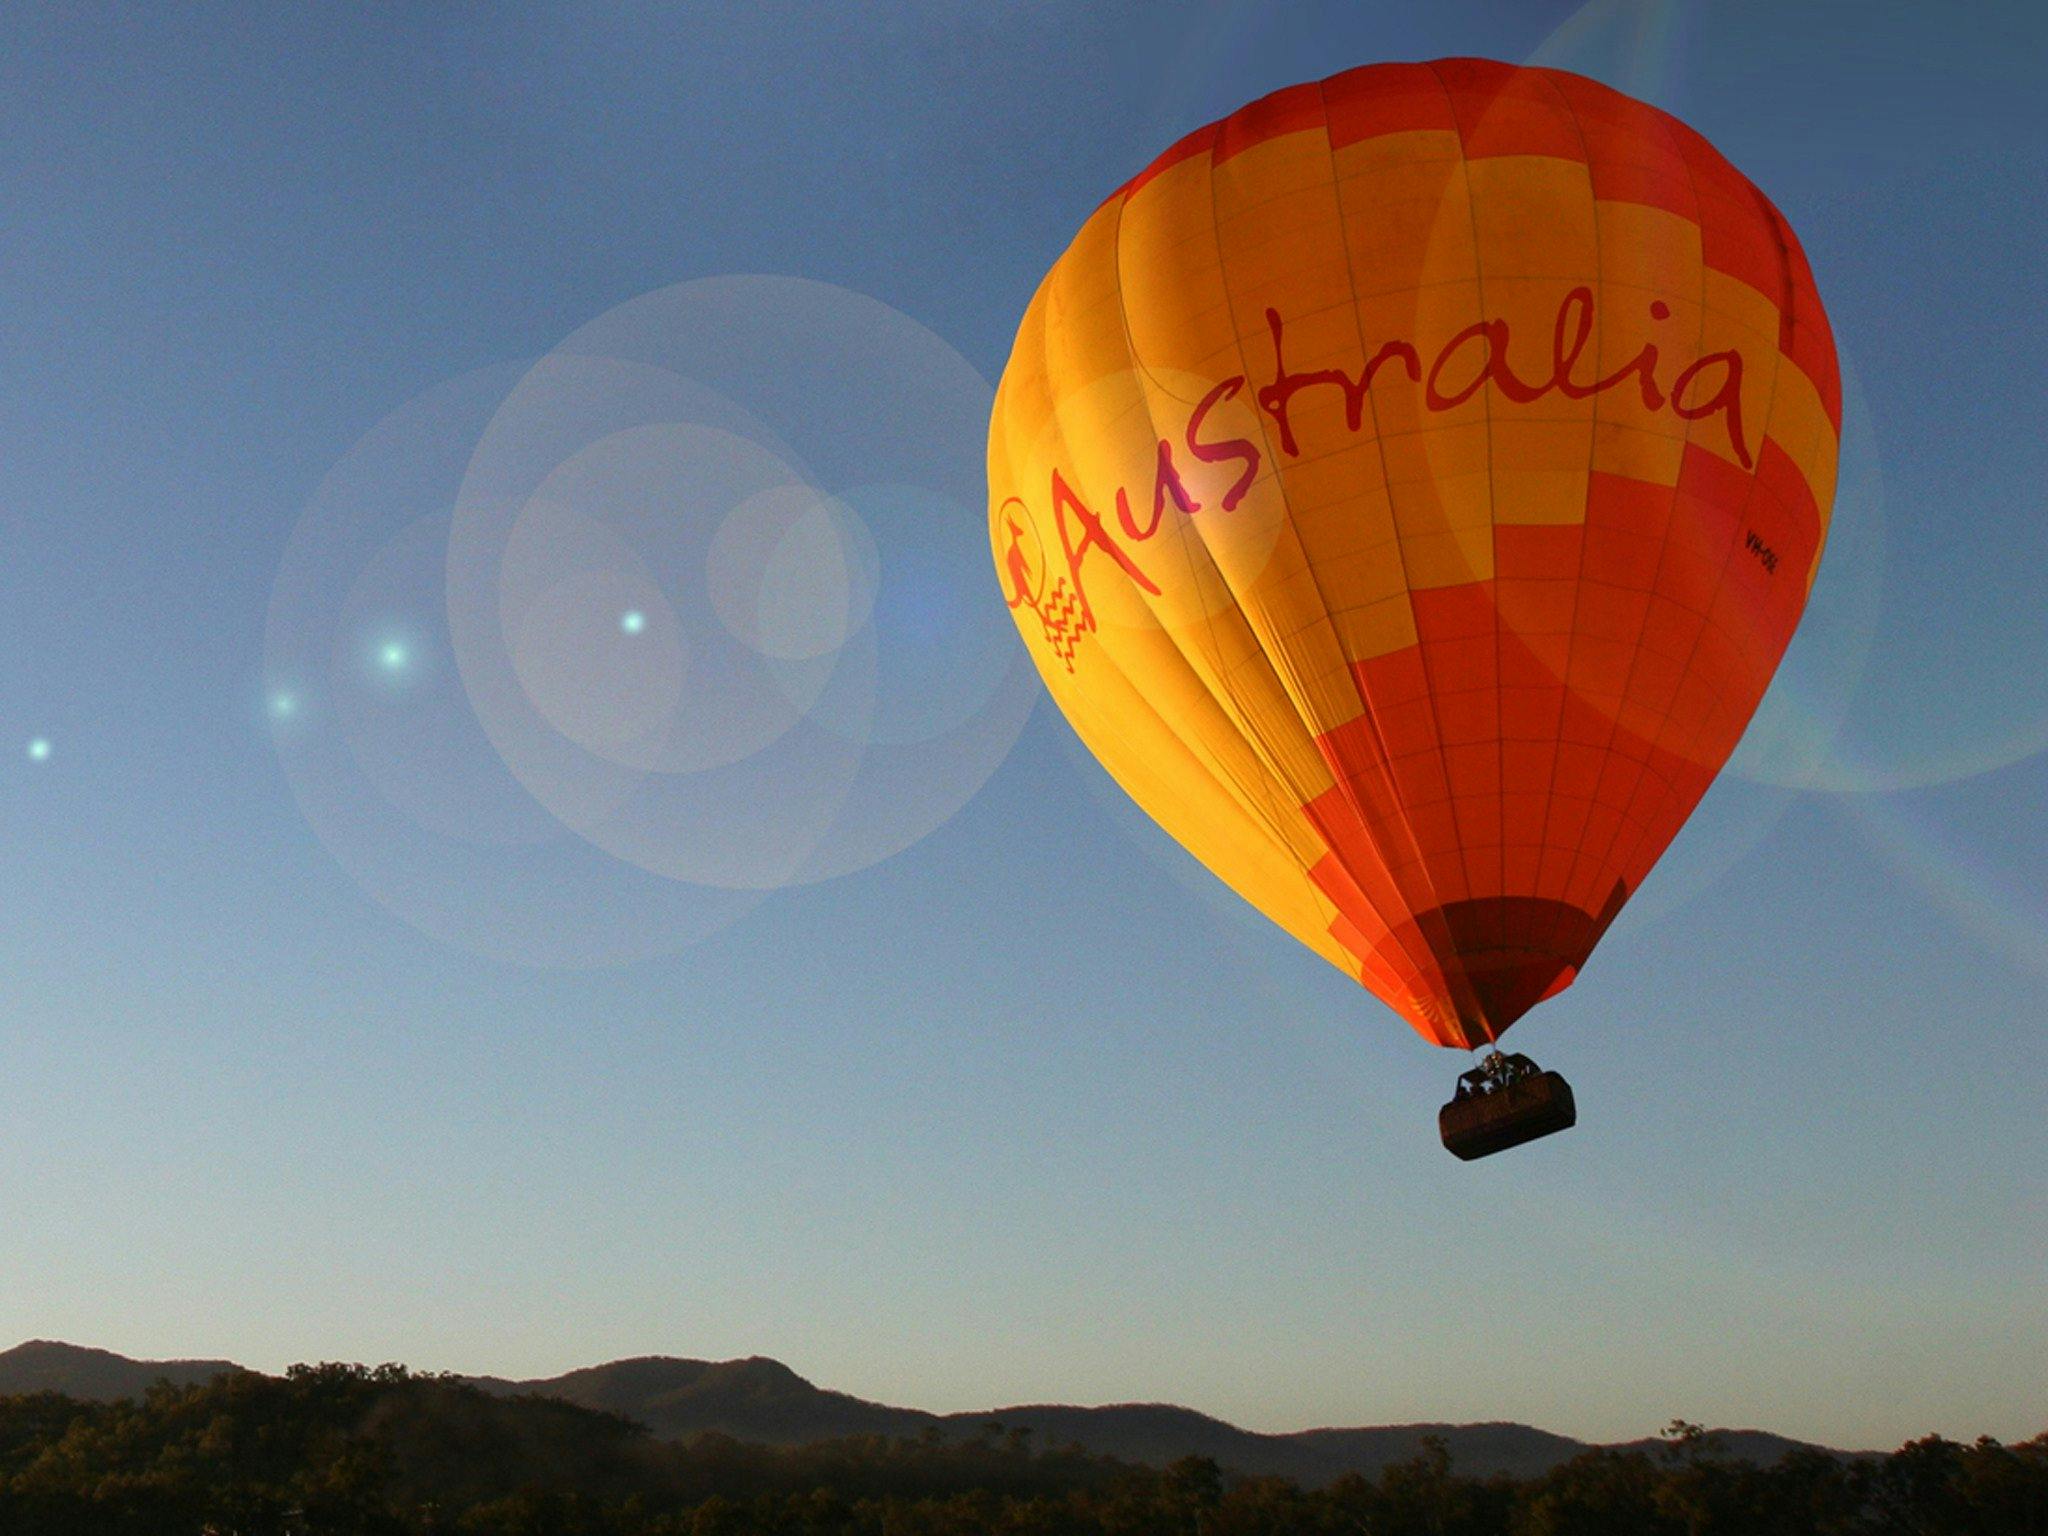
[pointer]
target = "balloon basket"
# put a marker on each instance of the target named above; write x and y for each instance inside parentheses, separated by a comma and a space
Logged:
(1502, 1103)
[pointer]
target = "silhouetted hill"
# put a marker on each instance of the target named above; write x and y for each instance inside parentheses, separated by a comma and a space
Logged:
(94, 1375)
(755, 1399)
(764, 1402)
(1478, 1450)
(349, 1448)
(1152, 1433)
(1757, 1445)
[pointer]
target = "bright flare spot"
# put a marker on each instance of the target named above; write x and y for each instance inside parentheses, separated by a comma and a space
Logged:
(283, 706)
(39, 749)
(632, 621)
(392, 656)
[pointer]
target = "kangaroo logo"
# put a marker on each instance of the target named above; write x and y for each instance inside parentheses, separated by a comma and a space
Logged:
(1023, 562)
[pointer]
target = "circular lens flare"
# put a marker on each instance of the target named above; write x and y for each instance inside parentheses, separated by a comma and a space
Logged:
(703, 457)
(412, 801)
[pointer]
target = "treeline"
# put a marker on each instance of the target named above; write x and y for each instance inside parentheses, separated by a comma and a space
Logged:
(346, 1450)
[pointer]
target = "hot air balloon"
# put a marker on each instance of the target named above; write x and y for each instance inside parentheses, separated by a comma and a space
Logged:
(1406, 487)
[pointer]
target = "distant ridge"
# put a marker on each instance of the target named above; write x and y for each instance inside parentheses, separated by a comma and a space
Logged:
(764, 1401)
(95, 1375)
(753, 1399)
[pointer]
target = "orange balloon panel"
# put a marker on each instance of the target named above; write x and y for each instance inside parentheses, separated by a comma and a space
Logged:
(1407, 487)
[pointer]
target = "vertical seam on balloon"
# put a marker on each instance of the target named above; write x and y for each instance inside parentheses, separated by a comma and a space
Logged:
(1443, 965)
(1276, 657)
(1580, 855)
(1258, 813)
(1558, 917)
(1734, 544)
(1605, 860)
(1428, 959)
(1354, 670)
(1486, 403)
(1564, 686)
(1263, 816)
(1779, 359)
(1580, 858)
(1493, 546)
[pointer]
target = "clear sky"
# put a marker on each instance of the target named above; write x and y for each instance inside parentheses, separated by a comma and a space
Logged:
(323, 1036)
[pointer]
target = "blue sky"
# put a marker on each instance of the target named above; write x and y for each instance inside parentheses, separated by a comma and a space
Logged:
(1032, 1109)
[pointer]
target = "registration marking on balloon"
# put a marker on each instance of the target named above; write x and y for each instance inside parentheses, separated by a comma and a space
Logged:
(1407, 487)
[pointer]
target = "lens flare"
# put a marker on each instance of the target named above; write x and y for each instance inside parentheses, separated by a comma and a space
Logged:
(412, 802)
(1637, 46)
(679, 624)
(721, 442)
(1985, 899)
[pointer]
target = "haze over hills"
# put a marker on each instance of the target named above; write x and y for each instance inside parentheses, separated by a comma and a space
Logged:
(764, 1401)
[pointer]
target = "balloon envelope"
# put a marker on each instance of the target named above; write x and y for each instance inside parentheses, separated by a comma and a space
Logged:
(1407, 487)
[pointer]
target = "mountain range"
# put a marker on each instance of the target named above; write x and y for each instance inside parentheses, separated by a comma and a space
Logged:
(764, 1401)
